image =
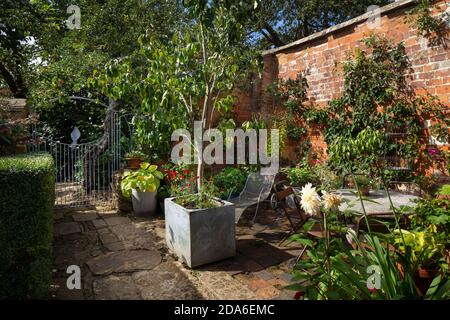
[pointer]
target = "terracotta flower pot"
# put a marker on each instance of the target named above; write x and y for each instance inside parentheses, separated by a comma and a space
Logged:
(365, 191)
(21, 148)
(133, 163)
(423, 279)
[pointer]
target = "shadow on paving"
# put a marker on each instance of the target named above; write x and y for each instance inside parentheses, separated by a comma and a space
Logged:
(252, 255)
(119, 258)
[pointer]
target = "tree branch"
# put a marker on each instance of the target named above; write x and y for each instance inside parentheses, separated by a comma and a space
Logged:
(9, 79)
(273, 35)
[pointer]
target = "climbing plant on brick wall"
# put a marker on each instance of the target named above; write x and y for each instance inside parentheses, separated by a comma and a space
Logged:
(376, 95)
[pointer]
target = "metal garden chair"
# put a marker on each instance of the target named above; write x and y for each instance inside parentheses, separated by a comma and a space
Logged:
(256, 190)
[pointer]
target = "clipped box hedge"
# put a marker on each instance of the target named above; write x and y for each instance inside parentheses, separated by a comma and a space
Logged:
(27, 194)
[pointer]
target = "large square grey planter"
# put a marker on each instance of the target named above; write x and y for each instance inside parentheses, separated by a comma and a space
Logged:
(199, 237)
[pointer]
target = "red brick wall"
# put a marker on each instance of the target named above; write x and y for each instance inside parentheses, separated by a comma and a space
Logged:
(321, 58)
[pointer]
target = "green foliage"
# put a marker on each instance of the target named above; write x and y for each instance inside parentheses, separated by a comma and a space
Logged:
(137, 154)
(444, 190)
(292, 92)
(423, 245)
(431, 221)
(302, 174)
(224, 125)
(257, 123)
(278, 122)
(230, 180)
(376, 96)
(279, 22)
(204, 199)
(357, 154)
(363, 181)
(316, 116)
(347, 275)
(21, 20)
(26, 225)
(371, 81)
(428, 26)
(432, 212)
(328, 178)
(171, 77)
(295, 132)
(145, 179)
(71, 56)
(338, 269)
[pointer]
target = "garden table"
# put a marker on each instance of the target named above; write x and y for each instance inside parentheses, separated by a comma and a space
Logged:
(379, 206)
(382, 205)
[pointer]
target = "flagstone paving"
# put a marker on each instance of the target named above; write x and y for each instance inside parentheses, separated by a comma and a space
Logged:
(125, 257)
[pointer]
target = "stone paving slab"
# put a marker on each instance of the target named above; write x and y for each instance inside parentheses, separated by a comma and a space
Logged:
(115, 288)
(165, 282)
(99, 223)
(125, 257)
(85, 216)
(114, 221)
(124, 261)
(222, 286)
(64, 228)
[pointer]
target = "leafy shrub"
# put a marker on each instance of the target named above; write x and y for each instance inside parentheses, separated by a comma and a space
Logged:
(295, 132)
(302, 175)
(444, 190)
(230, 180)
(432, 212)
(26, 224)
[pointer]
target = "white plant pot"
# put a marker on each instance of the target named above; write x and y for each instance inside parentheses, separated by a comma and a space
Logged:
(199, 237)
(144, 203)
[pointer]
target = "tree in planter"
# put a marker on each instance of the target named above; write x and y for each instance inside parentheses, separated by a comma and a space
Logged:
(190, 76)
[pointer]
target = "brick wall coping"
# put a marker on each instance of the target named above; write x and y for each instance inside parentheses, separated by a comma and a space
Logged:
(383, 11)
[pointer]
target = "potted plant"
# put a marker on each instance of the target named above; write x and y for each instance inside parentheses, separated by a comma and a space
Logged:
(135, 158)
(200, 228)
(426, 251)
(364, 184)
(141, 186)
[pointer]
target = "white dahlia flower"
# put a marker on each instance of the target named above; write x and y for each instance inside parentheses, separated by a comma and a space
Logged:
(331, 201)
(310, 200)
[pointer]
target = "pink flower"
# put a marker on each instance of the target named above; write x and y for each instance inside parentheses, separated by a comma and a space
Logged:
(434, 152)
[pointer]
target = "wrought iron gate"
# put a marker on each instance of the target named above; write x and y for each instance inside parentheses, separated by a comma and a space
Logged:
(84, 171)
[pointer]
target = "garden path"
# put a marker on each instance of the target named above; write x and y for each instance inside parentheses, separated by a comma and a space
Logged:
(125, 257)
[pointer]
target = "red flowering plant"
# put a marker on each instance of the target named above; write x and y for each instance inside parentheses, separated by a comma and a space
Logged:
(180, 180)
(205, 198)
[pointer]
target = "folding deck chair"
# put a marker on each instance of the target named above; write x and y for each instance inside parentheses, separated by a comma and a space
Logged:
(256, 190)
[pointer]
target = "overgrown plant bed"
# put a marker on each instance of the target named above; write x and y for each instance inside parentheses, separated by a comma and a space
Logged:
(200, 236)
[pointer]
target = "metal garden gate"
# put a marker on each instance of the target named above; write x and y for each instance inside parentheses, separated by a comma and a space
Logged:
(84, 171)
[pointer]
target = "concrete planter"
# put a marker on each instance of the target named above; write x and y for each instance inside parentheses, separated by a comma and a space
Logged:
(199, 237)
(144, 203)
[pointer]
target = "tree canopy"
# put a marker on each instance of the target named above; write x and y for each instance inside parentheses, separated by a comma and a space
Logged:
(279, 22)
